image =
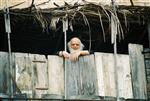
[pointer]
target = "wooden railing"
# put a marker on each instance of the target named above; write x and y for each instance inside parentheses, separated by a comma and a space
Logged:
(91, 76)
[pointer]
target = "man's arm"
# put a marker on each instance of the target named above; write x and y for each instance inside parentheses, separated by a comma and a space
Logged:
(75, 56)
(84, 52)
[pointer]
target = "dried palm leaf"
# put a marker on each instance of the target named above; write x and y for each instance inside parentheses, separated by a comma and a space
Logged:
(105, 11)
(87, 23)
(125, 13)
(100, 18)
(41, 19)
(118, 24)
(53, 22)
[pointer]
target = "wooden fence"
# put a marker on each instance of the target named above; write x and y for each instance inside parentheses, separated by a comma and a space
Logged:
(91, 77)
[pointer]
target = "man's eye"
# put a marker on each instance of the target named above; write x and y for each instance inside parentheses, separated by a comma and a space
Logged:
(75, 44)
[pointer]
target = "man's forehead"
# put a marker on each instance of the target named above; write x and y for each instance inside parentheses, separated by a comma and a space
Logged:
(75, 40)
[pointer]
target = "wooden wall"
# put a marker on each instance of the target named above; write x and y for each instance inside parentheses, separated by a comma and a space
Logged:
(90, 77)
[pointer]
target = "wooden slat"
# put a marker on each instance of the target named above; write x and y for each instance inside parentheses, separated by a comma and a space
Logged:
(81, 78)
(147, 65)
(138, 71)
(41, 74)
(106, 75)
(23, 71)
(124, 76)
(4, 73)
(56, 76)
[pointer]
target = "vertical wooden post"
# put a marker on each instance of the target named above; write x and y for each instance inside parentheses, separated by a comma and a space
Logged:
(8, 31)
(138, 71)
(149, 31)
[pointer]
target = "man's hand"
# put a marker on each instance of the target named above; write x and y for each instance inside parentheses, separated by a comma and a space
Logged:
(74, 56)
(65, 54)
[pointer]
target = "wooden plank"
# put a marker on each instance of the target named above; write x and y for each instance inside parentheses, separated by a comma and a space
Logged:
(55, 76)
(23, 66)
(138, 71)
(40, 75)
(4, 74)
(147, 65)
(106, 75)
(81, 78)
(124, 76)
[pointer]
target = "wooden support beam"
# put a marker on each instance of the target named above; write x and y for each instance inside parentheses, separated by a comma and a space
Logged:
(149, 31)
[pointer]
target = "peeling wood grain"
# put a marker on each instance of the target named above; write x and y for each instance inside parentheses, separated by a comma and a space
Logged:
(4, 73)
(55, 76)
(23, 71)
(41, 74)
(88, 78)
(138, 71)
(106, 76)
(81, 77)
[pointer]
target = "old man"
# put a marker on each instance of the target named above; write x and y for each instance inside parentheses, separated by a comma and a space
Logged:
(75, 48)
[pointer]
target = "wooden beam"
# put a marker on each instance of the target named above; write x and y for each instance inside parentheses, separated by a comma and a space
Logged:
(149, 31)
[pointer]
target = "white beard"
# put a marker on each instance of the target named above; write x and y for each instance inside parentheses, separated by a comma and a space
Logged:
(73, 51)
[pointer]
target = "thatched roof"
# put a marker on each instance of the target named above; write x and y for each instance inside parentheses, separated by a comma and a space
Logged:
(43, 4)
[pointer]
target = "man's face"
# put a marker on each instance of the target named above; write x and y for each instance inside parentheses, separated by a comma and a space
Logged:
(75, 43)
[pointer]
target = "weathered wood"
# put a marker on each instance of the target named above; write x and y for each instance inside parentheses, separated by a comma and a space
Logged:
(40, 75)
(147, 65)
(4, 74)
(88, 78)
(106, 75)
(124, 76)
(81, 78)
(138, 71)
(148, 27)
(23, 71)
(23, 66)
(55, 76)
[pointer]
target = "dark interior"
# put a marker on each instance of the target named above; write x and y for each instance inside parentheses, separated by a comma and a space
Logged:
(28, 36)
